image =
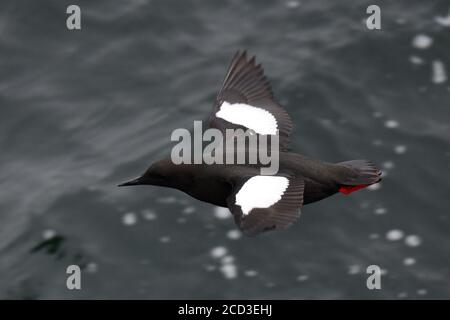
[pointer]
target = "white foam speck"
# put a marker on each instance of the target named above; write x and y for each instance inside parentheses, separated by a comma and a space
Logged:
(251, 273)
(167, 200)
(293, 4)
(388, 165)
(400, 20)
(439, 74)
(228, 267)
(222, 213)
(422, 292)
(164, 239)
(364, 205)
(326, 122)
(181, 220)
(227, 259)
(402, 295)
(423, 89)
(210, 267)
(422, 41)
(354, 269)
(416, 60)
(234, 234)
(377, 143)
(413, 241)
(188, 210)
(394, 235)
(148, 214)
(374, 187)
(380, 211)
(48, 234)
(377, 114)
(391, 124)
(229, 271)
(409, 261)
(302, 277)
(374, 236)
(400, 149)
(443, 21)
(91, 267)
(129, 219)
(218, 252)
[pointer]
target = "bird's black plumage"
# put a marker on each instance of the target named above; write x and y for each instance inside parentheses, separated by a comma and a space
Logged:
(299, 180)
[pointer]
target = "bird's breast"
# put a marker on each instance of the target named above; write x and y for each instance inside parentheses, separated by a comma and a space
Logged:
(210, 190)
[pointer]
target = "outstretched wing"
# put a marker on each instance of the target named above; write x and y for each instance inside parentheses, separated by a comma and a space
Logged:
(263, 203)
(246, 101)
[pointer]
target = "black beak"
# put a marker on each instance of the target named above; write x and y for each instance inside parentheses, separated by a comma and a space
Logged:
(133, 182)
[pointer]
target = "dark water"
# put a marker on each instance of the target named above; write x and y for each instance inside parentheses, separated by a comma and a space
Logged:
(81, 111)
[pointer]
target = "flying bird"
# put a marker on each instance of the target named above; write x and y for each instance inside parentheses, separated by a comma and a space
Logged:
(258, 202)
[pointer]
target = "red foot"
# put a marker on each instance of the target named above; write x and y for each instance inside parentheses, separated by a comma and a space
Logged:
(349, 189)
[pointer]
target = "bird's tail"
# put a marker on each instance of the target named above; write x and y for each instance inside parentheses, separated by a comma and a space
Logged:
(359, 174)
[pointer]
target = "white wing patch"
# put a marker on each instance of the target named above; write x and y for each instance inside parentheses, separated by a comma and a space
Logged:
(259, 120)
(261, 192)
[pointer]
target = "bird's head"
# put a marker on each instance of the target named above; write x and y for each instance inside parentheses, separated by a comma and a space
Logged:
(162, 173)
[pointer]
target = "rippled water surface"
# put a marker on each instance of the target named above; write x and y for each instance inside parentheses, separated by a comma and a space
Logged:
(83, 110)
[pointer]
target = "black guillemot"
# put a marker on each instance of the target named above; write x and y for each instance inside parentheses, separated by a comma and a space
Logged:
(258, 202)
